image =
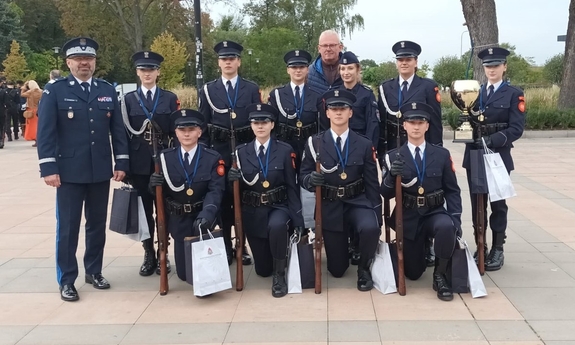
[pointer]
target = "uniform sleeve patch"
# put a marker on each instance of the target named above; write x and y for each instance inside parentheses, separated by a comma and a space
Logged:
(293, 157)
(452, 164)
(221, 169)
(521, 104)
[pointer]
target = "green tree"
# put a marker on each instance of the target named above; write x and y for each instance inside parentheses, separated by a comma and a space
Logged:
(367, 63)
(448, 69)
(375, 75)
(41, 24)
(175, 57)
(15, 66)
(10, 26)
(553, 69)
(41, 64)
(423, 70)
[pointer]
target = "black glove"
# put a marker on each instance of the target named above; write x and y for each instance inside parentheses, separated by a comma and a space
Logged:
(316, 179)
(234, 174)
(397, 168)
(200, 222)
(156, 180)
(461, 120)
(300, 231)
(487, 139)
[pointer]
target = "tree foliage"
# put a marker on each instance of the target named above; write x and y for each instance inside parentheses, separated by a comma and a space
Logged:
(553, 69)
(15, 66)
(41, 24)
(448, 69)
(175, 57)
(373, 76)
(10, 26)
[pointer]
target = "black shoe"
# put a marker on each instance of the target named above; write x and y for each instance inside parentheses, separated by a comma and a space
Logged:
(16, 137)
(1, 143)
(443, 289)
(364, 280)
(149, 265)
(279, 284)
(495, 259)
(355, 256)
(168, 266)
(98, 281)
(68, 293)
(9, 137)
(246, 258)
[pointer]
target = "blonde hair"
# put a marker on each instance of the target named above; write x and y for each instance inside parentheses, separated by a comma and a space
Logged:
(32, 85)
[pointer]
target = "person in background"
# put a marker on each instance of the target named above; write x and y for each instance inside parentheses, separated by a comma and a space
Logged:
(32, 92)
(324, 71)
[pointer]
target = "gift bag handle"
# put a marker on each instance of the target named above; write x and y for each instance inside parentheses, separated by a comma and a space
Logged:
(486, 149)
(209, 233)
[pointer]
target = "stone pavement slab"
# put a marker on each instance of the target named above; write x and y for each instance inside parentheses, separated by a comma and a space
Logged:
(531, 301)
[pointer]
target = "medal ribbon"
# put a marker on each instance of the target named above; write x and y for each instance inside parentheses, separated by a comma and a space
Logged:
(266, 167)
(420, 174)
(484, 90)
(233, 104)
(149, 115)
(342, 161)
(189, 179)
(299, 107)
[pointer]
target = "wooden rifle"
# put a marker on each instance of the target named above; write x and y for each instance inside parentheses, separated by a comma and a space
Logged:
(318, 225)
(399, 222)
(237, 213)
(161, 220)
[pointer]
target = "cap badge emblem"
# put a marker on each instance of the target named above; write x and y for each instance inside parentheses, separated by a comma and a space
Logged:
(259, 106)
(146, 55)
(402, 44)
(413, 105)
(82, 41)
(336, 93)
(297, 53)
(183, 112)
(490, 50)
(344, 60)
(225, 44)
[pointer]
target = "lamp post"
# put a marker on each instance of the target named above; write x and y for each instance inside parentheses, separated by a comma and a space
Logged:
(56, 51)
(189, 73)
(461, 43)
(250, 52)
(257, 64)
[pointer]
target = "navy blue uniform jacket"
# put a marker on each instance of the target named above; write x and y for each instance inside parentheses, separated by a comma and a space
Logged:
(365, 118)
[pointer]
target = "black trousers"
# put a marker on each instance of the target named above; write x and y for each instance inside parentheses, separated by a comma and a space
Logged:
(364, 224)
(274, 246)
(498, 217)
(3, 121)
(70, 198)
(12, 118)
(438, 226)
(181, 227)
(140, 182)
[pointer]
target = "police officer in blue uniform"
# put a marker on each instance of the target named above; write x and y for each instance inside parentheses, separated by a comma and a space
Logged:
(349, 184)
(502, 120)
(76, 116)
(270, 196)
(222, 102)
(297, 103)
(146, 112)
(428, 181)
(194, 183)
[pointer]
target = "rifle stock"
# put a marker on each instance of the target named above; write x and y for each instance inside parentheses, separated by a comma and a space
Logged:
(237, 215)
(161, 219)
(318, 227)
(401, 289)
(480, 234)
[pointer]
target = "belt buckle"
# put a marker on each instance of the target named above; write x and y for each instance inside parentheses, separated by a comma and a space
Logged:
(264, 199)
(147, 135)
(298, 131)
(340, 192)
(420, 201)
(187, 208)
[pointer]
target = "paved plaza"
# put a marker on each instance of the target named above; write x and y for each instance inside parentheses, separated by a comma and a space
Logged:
(531, 300)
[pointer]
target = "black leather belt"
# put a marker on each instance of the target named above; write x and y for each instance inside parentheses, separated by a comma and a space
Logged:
(273, 196)
(342, 192)
(493, 128)
(430, 200)
(222, 134)
(179, 209)
(287, 132)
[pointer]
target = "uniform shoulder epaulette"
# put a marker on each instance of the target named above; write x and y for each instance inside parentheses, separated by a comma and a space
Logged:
(251, 82)
(129, 93)
(168, 150)
(442, 148)
(59, 80)
(211, 81)
(428, 80)
(210, 151)
(104, 81)
(516, 88)
(241, 146)
(387, 81)
(284, 144)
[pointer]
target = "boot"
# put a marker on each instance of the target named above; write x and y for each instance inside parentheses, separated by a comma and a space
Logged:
(168, 265)
(9, 136)
(429, 253)
(364, 280)
(246, 258)
(279, 284)
(440, 283)
(2, 141)
(149, 263)
(355, 256)
(495, 259)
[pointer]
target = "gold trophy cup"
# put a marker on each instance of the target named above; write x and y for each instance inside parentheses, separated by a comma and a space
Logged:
(464, 94)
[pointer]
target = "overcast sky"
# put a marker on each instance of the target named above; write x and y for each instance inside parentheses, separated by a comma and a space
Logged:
(531, 25)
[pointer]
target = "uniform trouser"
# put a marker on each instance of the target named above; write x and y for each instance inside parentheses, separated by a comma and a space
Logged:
(274, 246)
(227, 218)
(181, 227)
(70, 197)
(364, 223)
(498, 217)
(3, 121)
(12, 119)
(438, 226)
(140, 182)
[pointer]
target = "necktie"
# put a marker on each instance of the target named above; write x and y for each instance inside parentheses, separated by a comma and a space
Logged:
(86, 87)
(262, 155)
(490, 91)
(418, 158)
(338, 143)
(230, 90)
(187, 158)
(149, 98)
(403, 91)
(297, 97)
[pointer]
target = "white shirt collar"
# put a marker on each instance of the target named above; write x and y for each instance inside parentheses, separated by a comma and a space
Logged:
(495, 86)
(343, 137)
(234, 81)
(409, 81)
(300, 88)
(257, 146)
(89, 81)
(191, 153)
(412, 149)
(145, 91)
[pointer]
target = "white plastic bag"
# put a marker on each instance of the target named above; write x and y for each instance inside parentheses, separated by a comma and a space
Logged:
(498, 179)
(476, 286)
(382, 270)
(293, 271)
(143, 229)
(211, 273)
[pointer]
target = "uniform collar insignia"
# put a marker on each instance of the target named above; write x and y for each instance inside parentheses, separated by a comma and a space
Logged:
(72, 82)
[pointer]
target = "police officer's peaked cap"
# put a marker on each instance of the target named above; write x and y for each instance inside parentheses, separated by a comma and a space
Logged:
(80, 46)
(228, 49)
(262, 112)
(348, 58)
(416, 111)
(493, 56)
(338, 98)
(188, 118)
(147, 60)
(297, 58)
(404, 49)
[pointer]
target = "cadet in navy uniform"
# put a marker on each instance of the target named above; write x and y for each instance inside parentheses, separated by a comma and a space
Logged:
(194, 183)
(145, 111)
(503, 110)
(349, 183)
(76, 116)
(223, 101)
(365, 119)
(407, 88)
(428, 180)
(297, 103)
(270, 196)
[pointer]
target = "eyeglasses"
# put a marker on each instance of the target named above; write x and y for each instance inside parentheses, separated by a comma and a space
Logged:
(330, 46)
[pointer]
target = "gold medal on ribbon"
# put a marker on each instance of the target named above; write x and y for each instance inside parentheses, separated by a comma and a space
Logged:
(298, 124)
(233, 114)
(70, 113)
(190, 192)
(266, 184)
(481, 118)
(420, 190)
(343, 175)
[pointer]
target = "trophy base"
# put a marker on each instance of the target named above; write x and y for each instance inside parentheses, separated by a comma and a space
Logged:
(465, 137)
